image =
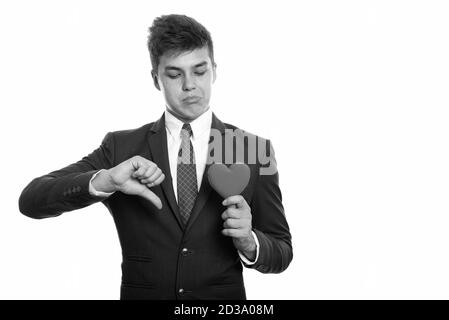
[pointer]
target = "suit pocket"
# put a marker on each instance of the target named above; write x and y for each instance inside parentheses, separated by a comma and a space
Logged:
(138, 258)
(130, 291)
(137, 272)
(226, 285)
(137, 285)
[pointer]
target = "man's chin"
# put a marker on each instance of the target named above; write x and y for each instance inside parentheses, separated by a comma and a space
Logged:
(193, 112)
(189, 113)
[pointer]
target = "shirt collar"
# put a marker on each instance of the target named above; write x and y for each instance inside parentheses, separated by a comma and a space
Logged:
(199, 126)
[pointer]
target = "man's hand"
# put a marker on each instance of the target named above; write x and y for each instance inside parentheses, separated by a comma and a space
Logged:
(133, 176)
(237, 224)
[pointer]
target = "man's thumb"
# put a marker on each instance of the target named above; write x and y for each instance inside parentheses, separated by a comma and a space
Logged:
(149, 195)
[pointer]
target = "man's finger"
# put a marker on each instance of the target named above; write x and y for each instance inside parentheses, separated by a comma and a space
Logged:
(157, 182)
(156, 175)
(237, 200)
(234, 233)
(140, 171)
(232, 223)
(231, 213)
(141, 165)
(150, 171)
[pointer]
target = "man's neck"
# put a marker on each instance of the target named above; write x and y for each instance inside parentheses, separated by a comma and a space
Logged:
(180, 118)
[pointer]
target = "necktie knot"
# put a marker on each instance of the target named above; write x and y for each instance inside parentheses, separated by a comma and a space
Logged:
(186, 131)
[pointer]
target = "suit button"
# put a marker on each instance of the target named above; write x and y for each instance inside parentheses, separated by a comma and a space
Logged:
(185, 251)
(181, 291)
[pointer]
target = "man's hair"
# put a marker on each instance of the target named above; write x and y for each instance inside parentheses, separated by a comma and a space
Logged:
(176, 33)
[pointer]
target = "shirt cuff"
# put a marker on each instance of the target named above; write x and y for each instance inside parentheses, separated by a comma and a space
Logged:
(245, 259)
(94, 192)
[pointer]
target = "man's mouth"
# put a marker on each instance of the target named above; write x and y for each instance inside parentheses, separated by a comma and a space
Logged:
(193, 99)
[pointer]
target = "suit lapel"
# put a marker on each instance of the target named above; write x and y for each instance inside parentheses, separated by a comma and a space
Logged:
(157, 141)
(205, 188)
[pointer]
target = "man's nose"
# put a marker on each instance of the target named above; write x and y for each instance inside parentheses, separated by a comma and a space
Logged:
(189, 84)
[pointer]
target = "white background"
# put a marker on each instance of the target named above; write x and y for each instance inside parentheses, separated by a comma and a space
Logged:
(353, 94)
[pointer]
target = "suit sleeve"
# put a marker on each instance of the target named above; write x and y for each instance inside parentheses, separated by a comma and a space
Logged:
(270, 223)
(66, 189)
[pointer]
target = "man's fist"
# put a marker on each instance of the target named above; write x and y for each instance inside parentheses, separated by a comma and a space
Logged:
(237, 224)
(133, 176)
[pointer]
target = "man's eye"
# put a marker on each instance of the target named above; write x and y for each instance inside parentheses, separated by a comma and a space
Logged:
(200, 73)
(174, 76)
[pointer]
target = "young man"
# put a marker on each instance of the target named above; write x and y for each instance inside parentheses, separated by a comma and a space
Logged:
(180, 239)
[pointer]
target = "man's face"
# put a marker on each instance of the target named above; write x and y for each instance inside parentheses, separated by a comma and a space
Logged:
(186, 80)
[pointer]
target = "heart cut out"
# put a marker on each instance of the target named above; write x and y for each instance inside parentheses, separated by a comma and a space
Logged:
(228, 181)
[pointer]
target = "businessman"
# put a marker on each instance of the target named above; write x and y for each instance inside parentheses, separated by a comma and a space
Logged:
(180, 238)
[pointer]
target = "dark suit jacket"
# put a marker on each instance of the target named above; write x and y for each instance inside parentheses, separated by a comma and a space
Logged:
(161, 258)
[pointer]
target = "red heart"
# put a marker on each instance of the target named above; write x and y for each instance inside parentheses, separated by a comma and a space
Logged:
(228, 181)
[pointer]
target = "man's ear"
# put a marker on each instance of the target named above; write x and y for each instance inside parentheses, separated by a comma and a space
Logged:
(214, 72)
(155, 80)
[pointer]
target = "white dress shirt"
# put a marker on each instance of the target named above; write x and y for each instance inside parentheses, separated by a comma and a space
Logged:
(201, 127)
